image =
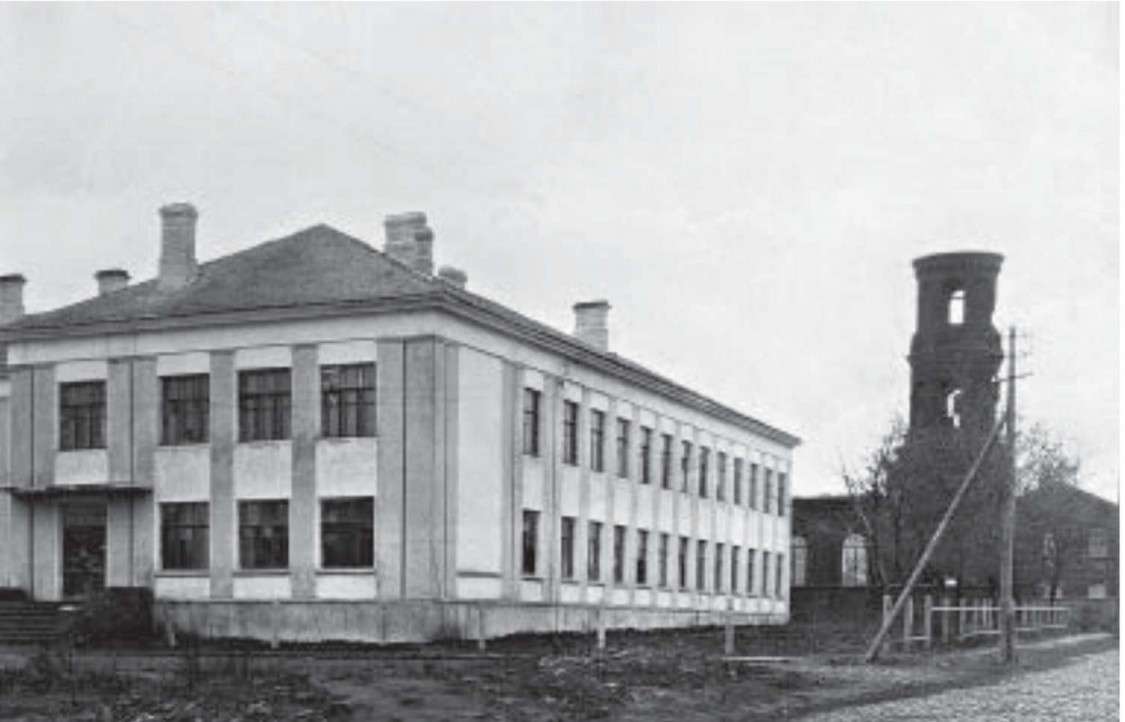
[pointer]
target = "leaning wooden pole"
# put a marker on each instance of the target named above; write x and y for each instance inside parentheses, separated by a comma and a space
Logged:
(888, 620)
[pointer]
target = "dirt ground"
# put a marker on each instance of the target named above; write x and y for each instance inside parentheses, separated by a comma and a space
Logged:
(667, 676)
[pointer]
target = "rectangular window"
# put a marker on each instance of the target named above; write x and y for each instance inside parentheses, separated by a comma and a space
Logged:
(781, 479)
(682, 559)
(751, 557)
(531, 422)
(530, 541)
(622, 448)
(263, 404)
(1098, 543)
(570, 433)
(721, 478)
(82, 415)
(779, 582)
(666, 461)
(183, 535)
(567, 543)
(645, 455)
(662, 559)
(704, 458)
(701, 565)
(737, 481)
(734, 570)
(347, 400)
(685, 466)
(642, 557)
(597, 440)
(765, 574)
(767, 491)
(347, 533)
(594, 552)
(752, 493)
(263, 534)
(618, 554)
(184, 409)
(718, 569)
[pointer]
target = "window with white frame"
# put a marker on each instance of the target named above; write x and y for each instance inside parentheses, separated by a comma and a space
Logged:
(854, 563)
(799, 557)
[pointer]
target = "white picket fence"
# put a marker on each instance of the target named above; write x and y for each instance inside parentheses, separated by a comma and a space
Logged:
(971, 618)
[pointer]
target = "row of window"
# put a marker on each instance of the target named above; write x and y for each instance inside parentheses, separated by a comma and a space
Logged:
(595, 530)
(532, 423)
(347, 534)
(347, 407)
(853, 561)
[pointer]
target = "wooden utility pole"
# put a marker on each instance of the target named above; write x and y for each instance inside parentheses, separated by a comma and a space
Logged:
(1008, 517)
(889, 618)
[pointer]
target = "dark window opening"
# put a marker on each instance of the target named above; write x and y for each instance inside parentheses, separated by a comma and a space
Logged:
(347, 400)
(264, 397)
(185, 409)
(184, 535)
(263, 534)
(347, 533)
(82, 415)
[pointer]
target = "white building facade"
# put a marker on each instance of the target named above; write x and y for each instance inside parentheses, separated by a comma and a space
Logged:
(314, 439)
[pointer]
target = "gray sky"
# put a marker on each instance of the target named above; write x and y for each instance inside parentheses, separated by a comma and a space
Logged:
(746, 184)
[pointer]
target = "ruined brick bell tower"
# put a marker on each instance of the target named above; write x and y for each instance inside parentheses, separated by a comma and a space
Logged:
(955, 352)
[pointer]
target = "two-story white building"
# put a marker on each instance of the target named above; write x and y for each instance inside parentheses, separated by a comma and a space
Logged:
(314, 439)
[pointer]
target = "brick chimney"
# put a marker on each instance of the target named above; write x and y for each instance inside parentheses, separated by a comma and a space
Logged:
(401, 229)
(424, 251)
(590, 319)
(177, 245)
(111, 279)
(453, 276)
(11, 298)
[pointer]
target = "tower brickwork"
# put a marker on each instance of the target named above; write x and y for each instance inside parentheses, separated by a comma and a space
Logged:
(956, 352)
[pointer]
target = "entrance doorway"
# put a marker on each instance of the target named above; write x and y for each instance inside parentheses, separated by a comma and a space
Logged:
(83, 549)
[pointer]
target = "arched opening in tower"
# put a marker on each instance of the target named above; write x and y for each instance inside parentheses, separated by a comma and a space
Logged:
(953, 407)
(956, 308)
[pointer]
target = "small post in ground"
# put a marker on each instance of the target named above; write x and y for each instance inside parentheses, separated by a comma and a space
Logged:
(888, 605)
(928, 621)
(275, 610)
(946, 620)
(481, 636)
(728, 630)
(908, 623)
(600, 622)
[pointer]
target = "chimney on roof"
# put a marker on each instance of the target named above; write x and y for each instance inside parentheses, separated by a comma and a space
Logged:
(400, 239)
(11, 298)
(590, 325)
(177, 245)
(424, 251)
(111, 279)
(453, 276)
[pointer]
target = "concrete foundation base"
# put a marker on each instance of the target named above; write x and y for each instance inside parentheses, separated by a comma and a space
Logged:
(417, 620)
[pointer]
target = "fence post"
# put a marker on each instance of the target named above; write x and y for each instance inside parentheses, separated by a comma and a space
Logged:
(728, 630)
(481, 635)
(600, 618)
(946, 619)
(907, 623)
(275, 609)
(887, 606)
(928, 621)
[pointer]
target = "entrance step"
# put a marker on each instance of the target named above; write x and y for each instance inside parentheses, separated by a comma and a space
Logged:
(24, 622)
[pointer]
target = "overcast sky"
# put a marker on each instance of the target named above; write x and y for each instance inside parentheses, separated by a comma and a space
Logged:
(746, 184)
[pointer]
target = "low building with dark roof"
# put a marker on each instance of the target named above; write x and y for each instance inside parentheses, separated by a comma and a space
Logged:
(313, 439)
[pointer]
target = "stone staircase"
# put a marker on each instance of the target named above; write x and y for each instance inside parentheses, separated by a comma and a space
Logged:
(27, 622)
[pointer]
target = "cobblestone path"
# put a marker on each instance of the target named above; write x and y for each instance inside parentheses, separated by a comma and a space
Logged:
(1086, 690)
